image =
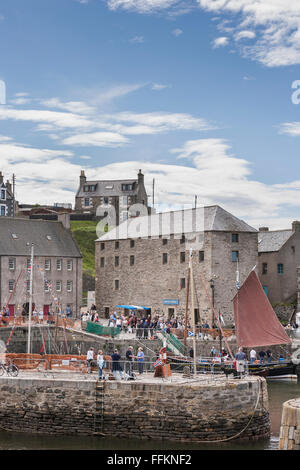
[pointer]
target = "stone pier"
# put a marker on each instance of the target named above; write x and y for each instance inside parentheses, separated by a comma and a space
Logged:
(289, 438)
(184, 409)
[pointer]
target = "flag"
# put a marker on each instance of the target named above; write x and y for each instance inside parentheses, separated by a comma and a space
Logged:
(191, 333)
(157, 363)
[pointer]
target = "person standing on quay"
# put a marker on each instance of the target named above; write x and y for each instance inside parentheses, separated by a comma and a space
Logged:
(89, 360)
(252, 356)
(100, 362)
(140, 359)
(116, 366)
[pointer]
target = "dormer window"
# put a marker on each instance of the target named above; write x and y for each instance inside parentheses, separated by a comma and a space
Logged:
(89, 188)
(127, 187)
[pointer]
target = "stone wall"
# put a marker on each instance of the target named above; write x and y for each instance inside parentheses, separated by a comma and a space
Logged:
(195, 411)
(289, 438)
(145, 279)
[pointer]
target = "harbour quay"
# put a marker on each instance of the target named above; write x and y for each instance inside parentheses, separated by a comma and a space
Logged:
(204, 408)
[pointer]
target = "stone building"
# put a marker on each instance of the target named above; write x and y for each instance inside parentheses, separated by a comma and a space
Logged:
(145, 262)
(278, 259)
(57, 269)
(6, 198)
(119, 194)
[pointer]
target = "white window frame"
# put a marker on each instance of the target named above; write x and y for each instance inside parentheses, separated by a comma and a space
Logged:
(69, 263)
(69, 286)
(58, 286)
(47, 264)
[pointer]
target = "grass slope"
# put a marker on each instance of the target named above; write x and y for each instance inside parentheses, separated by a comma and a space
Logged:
(85, 235)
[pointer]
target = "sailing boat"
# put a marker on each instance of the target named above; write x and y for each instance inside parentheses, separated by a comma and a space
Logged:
(257, 326)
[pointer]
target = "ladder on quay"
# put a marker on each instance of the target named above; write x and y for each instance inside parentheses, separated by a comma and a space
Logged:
(99, 408)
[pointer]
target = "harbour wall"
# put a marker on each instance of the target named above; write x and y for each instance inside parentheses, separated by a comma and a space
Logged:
(154, 409)
(289, 437)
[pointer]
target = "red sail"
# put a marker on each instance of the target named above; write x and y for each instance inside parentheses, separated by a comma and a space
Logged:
(256, 323)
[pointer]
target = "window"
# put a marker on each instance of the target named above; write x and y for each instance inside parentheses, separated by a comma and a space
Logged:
(58, 286)
(264, 268)
(265, 288)
(3, 210)
(126, 187)
(131, 243)
(86, 201)
(69, 286)
(102, 246)
(117, 284)
(58, 264)
(3, 194)
(131, 260)
(11, 285)
(235, 256)
(165, 258)
(182, 257)
(182, 283)
(182, 240)
(70, 265)
(117, 261)
(117, 245)
(11, 264)
(102, 262)
(201, 256)
(105, 200)
(47, 286)
(165, 241)
(47, 264)
(196, 315)
(235, 237)
(280, 268)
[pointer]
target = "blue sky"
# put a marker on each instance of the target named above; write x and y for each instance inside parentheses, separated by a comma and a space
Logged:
(197, 93)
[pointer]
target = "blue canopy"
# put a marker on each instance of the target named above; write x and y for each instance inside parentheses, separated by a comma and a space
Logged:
(133, 307)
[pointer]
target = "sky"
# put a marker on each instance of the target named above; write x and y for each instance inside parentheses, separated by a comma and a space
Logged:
(202, 95)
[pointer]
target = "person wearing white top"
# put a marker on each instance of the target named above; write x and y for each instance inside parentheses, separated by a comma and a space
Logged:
(100, 362)
(89, 359)
(252, 356)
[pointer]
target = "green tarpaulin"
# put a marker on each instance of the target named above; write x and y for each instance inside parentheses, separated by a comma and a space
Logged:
(101, 330)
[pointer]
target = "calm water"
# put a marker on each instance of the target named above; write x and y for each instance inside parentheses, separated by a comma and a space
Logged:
(279, 392)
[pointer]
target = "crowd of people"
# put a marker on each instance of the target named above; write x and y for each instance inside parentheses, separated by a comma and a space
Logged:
(122, 368)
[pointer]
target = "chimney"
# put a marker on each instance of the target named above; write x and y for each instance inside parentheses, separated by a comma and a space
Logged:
(1, 177)
(296, 226)
(140, 177)
(82, 178)
(263, 229)
(8, 186)
(64, 218)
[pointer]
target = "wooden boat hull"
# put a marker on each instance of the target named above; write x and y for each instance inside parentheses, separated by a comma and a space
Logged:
(274, 369)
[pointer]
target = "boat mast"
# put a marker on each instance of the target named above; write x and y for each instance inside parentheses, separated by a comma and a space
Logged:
(193, 311)
(30, 298)
(187, 308)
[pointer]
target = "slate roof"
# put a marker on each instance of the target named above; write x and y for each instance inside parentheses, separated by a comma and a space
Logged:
(49, 238)
(208, 219)
(108, 188)
(273, 240)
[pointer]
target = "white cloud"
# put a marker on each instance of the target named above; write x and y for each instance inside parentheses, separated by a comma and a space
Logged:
(220, 42)
(137, 40)
(159, 86)
(142, 6)
(245, 34)
(276, 24)
(213, 173)
(290, 128)
(177, 32)
(98, 139)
